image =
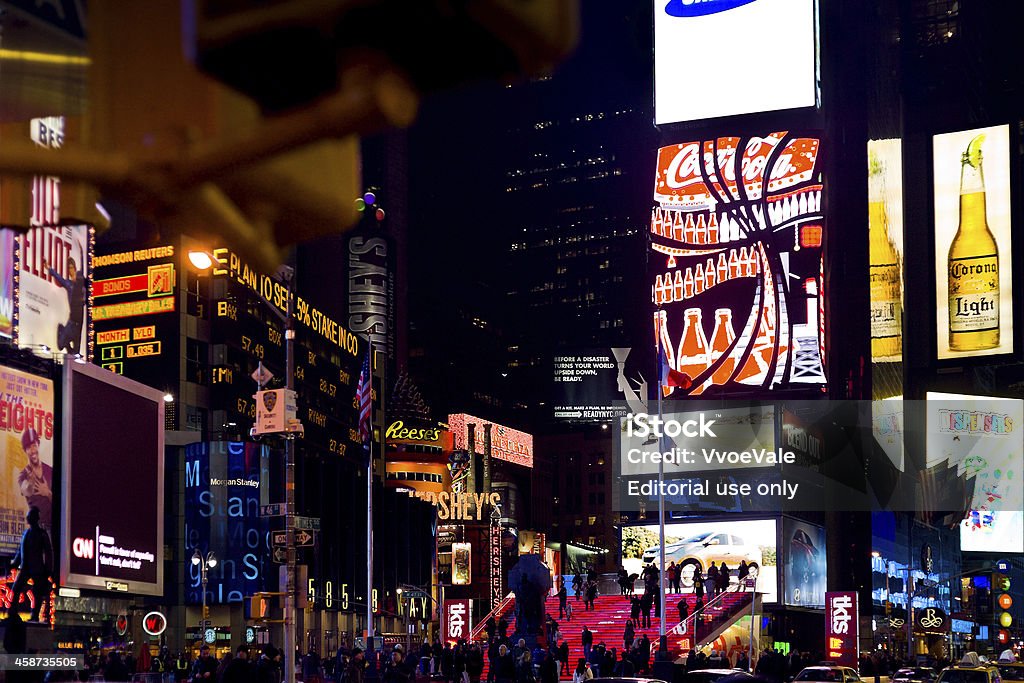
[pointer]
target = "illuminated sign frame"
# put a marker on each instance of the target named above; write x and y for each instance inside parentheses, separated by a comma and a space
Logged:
(842, 627)
(737, 279)
(507, 444)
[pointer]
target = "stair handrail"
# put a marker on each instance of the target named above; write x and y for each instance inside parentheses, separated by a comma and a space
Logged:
(689, 625)
(498, 609)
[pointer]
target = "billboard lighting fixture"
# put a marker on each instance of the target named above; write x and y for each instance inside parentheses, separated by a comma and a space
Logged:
(168, 397)
(369, 198)
(360, 204)
(202, 260)
(379, 214)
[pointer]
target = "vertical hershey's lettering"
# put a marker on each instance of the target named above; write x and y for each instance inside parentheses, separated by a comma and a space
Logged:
(369, 289)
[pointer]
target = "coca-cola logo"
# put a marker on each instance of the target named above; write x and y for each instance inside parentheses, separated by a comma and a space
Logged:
(699, 8)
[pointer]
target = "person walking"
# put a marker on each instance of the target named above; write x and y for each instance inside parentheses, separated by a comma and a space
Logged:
(684, 609)
(591, 594)
(646, 602)
(563, 596)
(712, 581)
(577, 585)
(629, 635)
(672, 574)
(582, 672)
(723, 577)
(634, 610)
(239, 669)
(524, 668)
(742, 572)
(587, 639)
(698, 584)
(568, 611)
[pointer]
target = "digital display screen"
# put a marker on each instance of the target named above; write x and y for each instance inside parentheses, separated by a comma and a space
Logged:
(113, 513)
(885, 246)
(735, 265)
(804, 572)
(694, 545)
(973, 259)
(725, 57)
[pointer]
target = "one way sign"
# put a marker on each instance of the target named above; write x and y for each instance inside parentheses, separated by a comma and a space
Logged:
(302, 538)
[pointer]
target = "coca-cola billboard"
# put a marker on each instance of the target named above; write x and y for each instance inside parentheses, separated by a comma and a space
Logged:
(725, 57)
(456, 616)
(737, 276)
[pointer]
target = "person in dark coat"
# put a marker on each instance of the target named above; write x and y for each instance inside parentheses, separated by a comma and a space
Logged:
(684, 609)
(504, 666)
(549, 669)
(629, 635)
(116, 669)
(239, 670)
(34, 559)
(645, 654)
(625, 668)
(634, 610)
(587, 639)
(563, 596)
(712, 581)
(69, 334)
(742, 573)
(723, 577)
(646, 603)
(204, 668)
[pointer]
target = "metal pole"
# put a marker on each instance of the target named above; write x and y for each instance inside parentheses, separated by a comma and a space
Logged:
(202, 617)
(662, 639)
(289, 496)
(369, 520)
(750, 647)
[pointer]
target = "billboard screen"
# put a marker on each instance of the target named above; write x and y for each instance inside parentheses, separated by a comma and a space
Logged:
(591, 385)
(507, 444)
(225, 485)
(113, 490)
(885, 247)
(697, 544)
(725, 57)
(803, 574)
(26, 450)
(53, 288)
(973, 267)
(736, 263)
(980, 437)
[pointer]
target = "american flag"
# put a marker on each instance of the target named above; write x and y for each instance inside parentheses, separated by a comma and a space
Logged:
(364, 397)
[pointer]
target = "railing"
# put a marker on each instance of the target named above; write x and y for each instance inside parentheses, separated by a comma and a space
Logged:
(705, 620)
(499, 608)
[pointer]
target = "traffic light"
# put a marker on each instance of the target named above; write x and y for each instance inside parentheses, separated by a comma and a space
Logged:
(206, 613)
(257, 607)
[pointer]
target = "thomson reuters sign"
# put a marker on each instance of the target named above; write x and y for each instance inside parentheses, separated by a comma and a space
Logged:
(457, 623)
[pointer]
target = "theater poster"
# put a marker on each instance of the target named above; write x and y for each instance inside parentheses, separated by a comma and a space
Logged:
(26, 454)
(53, 296)
(736, 268)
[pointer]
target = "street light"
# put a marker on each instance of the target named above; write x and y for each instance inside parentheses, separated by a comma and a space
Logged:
(200, 258)
(205, 563)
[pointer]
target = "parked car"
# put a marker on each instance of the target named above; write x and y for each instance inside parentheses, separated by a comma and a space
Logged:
(703, 549)
(914, 675)
(1011, 671)
(718, 675)
(828, 674)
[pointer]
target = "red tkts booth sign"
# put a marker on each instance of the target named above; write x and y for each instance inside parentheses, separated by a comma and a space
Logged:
(456, 620)
(841, 627)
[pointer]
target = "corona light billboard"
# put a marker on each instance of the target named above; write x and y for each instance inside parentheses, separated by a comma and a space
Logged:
(973, 268)
(736, 256)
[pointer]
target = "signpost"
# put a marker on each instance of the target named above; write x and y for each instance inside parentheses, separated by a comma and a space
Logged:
(311, 523)
(272, 510)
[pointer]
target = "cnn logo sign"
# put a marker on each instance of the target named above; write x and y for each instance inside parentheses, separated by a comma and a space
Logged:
(84, 548)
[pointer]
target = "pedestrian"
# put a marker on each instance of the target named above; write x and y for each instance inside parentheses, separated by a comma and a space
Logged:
(239, 669)
(698, 583)
(582, 672)
(524, 668)
(712, 581)
(504, 666)
(577, 585)
(625, 669)
(203, 669)
(723, 577)
(623, 578)
(568, 611)
(645, 654)
(742, 572)
(684, 608)
(587, 639)
(629, 635)
(634, 610)
(562, 599)
(646, 603)
(549, 669)
(591, 593)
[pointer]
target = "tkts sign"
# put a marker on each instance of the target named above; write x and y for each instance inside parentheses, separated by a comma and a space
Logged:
(841, 624)
(737, 279)
(456, 616)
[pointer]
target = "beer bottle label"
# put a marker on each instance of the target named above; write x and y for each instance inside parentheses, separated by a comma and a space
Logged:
(885, 301)
(974, 294)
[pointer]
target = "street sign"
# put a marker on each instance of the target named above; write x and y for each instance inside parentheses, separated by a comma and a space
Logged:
(311, 523)
(272, 510)
(415, 595)
(280, 555)
(302, 538)
(205, 623)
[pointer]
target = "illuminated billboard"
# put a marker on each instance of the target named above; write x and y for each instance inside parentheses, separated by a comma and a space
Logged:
(53, 294)
(695, 545)
(885, 247)
(736, 263)
(226, 483)
(113, 483)
(26, 451)
(842, 627)
(979, 436)
(725, 57)
(804, 572)
(973, 267)
(6, 283)
(135, 313)
(507, 444)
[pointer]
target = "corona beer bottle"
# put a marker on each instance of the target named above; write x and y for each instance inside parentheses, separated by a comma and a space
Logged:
(886, 299)
(973, 264)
